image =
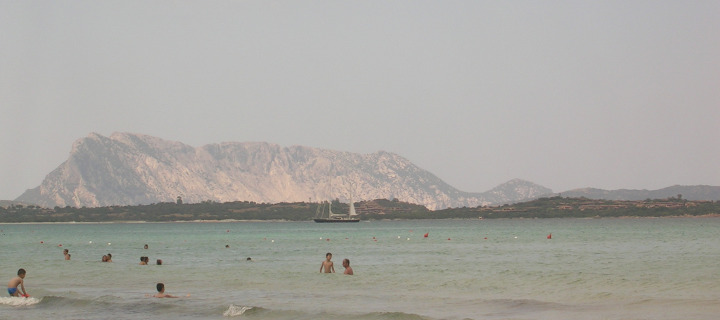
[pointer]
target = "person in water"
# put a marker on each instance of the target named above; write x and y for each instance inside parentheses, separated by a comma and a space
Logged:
(66, 252)
(18, 281)
(327, 265)
(348, 269)
(161, 291)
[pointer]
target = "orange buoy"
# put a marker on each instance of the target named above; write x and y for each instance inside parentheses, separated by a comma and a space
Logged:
(426, 235)
(549, 236)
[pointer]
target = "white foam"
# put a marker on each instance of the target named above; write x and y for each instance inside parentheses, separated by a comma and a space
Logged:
(18, 301)
(234, 311)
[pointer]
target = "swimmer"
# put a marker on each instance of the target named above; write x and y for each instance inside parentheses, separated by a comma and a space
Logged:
(66, 252)
(327, 265)
(161, 292)
(348, 269)
(18, 281)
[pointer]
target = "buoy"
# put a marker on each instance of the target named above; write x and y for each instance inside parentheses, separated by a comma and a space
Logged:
(109, 243)
(328, 239)
(549, 236)
(426, 235)
(60, 245)
(42, 241)
(272, 240)
(485, 238)
(90, 242)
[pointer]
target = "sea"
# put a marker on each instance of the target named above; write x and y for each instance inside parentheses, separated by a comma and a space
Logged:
(607, 268)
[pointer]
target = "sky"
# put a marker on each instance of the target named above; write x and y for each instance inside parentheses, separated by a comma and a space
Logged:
(565, 94)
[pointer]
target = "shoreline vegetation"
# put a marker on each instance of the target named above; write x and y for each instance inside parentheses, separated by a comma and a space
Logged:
(380, 209)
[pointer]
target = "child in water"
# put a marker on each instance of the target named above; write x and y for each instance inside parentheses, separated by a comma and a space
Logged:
(161, 292)
(18, 281)
(327, 265)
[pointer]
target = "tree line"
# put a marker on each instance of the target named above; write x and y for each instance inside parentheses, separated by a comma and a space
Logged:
(552, 207)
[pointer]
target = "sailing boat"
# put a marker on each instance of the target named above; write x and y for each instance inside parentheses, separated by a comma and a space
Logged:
(321, 216)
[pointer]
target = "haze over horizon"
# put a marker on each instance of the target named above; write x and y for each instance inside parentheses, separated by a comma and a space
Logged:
(611, 94)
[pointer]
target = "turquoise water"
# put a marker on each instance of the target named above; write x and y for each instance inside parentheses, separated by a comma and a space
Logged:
(465, 269)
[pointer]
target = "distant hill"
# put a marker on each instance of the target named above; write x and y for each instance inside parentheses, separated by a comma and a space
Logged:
(132, 169)
(699, 192)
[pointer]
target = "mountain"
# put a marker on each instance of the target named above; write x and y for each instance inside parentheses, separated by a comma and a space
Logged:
(132, 169)
(700, 192)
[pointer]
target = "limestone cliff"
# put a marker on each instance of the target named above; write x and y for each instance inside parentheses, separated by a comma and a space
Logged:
(131, 169)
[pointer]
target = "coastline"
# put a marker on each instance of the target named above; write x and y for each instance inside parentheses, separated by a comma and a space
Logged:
(148, 222)
(712, 215)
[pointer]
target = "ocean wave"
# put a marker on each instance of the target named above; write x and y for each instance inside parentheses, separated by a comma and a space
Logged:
(392, 316)
(236, 311)
(529, 305)
(69, 302)
(261, 313)
(19, 301)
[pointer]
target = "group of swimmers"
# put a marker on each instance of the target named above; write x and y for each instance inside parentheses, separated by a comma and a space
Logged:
(16, 287)
(328, 267)
(18, 282)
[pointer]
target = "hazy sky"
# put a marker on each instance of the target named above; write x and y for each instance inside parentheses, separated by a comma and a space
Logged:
(566, 94)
